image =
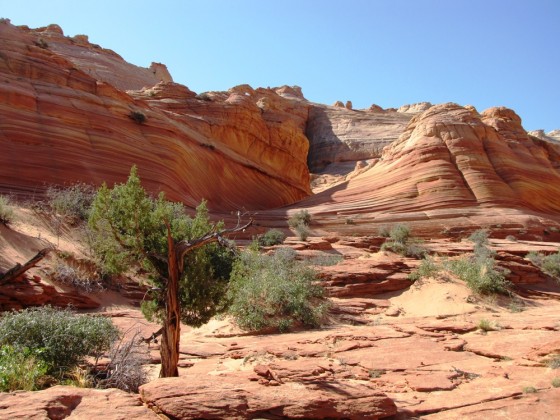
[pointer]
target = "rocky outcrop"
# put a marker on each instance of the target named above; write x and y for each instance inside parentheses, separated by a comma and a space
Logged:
(32, 291)
(414, 108)
(66, 118)
(97, 62)
(62, 402)
(553, 136)
(264, 394)
(451, 162)
(337, 134)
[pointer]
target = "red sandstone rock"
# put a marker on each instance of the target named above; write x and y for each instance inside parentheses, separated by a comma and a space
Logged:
(60, 402)
(239, 397)
(63, 122)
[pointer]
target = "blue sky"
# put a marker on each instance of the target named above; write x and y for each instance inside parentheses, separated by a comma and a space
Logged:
(388, 52)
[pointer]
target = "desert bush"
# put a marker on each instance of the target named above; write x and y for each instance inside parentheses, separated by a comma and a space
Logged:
(271, 237)
(274, 292)
(137, 116)
(485, 325)
(302, 232)
(20, 369)
(529, 390)
(70, 276)
(126, 367)
(400, 233)
(556, 382)
(302, 217)
(480, 270)
(480, 275)
(6, 211)
(401, 243)
(384, 231)
(60, 338)
(554, 363)
(299, 223)
(428, 268)
(73, 202)
(549, 264)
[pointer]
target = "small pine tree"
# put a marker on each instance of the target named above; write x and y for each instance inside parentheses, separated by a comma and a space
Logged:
(189, 271)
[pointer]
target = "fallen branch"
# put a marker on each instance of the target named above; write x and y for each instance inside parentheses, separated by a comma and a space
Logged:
(18, 269)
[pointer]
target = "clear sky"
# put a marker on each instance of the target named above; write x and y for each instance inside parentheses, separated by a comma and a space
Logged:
(388, 52)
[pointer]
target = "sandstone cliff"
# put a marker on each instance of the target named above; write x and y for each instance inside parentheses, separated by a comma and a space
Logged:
(451, 163)
(65, 117)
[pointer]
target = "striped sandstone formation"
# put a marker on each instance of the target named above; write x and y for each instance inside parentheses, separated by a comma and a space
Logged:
(65, 118)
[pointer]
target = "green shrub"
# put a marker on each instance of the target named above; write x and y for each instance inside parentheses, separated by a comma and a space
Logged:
(554, 363)
(20, 369)
(73, 202)
(60, 338)
(556, 382)
(6, 211)
(549, 264)
(428, 268)
(274, 292)
(302, 232)
(272, 237)
(384, 231)
(480, 274)
(302, 217)
(400, 233)
(479, 237)
(529, 390)
(299, 222)
(401, 243)
(485, 325)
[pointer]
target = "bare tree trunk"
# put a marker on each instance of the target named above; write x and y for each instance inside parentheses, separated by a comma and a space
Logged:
(171, 330)
(172, 321)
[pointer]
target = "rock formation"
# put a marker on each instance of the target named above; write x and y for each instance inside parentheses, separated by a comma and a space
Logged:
(337, 134)
(448, 162)
(67, 119)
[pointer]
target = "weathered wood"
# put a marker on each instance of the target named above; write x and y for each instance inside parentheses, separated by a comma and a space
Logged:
(18, 269)
(171, 329)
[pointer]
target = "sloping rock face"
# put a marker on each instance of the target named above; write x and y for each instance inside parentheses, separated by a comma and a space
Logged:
(337, 134)
(65, 117)
(450, 161)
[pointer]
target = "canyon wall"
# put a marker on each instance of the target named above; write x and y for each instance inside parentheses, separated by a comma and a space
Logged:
(65, 117)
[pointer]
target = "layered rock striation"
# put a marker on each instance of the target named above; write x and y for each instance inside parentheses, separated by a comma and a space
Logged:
(451, 158)
(65, 117)
(337, 134)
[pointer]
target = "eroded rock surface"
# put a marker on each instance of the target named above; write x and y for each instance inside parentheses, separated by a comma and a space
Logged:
(66, 117)
(62, 402)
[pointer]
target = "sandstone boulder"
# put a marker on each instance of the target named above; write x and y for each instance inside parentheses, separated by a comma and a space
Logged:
(62, 402)
(244, 396)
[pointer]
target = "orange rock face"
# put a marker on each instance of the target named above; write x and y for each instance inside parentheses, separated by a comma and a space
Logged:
(450, 162)
(64, 119)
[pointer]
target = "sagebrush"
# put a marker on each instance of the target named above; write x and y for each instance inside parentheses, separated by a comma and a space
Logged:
(73, 202)
(6, 210)
(275, 291)
(549, 264)
(60, 338)
(271, 237)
